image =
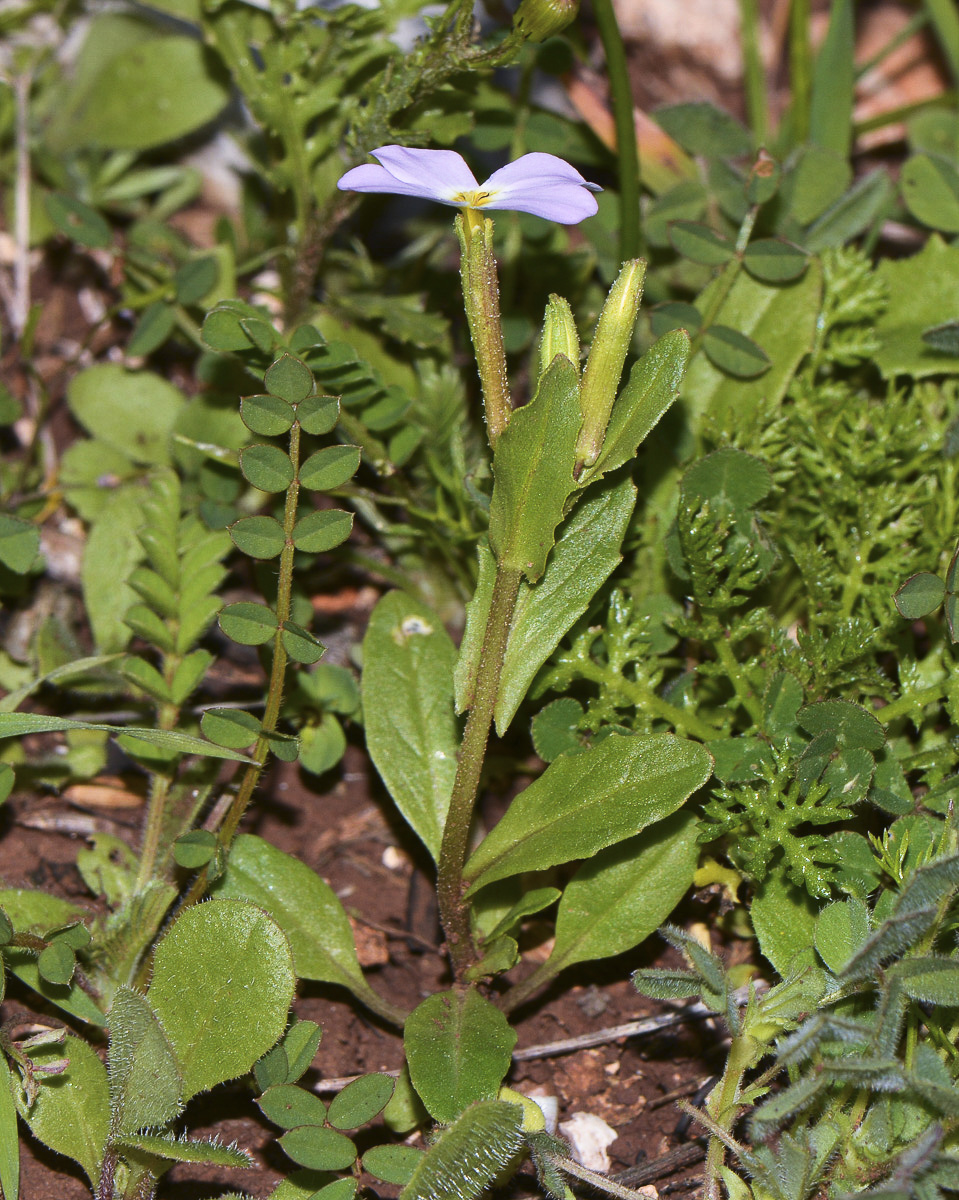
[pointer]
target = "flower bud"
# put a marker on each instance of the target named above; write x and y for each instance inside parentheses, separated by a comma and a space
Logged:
(538, 20)
(559, 334)
(604, 366)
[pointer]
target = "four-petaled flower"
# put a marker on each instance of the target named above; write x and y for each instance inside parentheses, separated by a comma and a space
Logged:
(541, 184)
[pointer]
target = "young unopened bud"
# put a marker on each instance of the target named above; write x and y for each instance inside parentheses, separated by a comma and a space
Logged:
(604, 366)
(538, 20)
(559, 334)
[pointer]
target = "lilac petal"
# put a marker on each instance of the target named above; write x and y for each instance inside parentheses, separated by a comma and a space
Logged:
(433, 174)
(545, 186)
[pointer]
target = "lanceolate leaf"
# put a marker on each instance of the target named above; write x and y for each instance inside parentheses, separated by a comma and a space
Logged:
(18, 724)
(458, 1047)
(533, 469)
(408, 661)
(469, 1155)
(624, 893)
(185, 1150)
(304, 906)
(585, 802)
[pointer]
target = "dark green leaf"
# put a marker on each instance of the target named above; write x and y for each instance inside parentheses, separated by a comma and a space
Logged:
(155, 324)
(193, 850)
(260, 537)
(703, 129)
(300, 644)
(266, 467)
(248, 623)
(318, 414)
(56, 964)
(458, 1047)
(330, 468)
(78, 221)
(943, 338)
(19, 543)
(830, 114)
(289, 1106)
(319, 1149)
(196, 279)
(734, 353)
(361, 1101)
(290, 379)
(700, 244)
(920, 595)
(392, 1164)
(774, 261)
(676, 314)
(585, 802)
(850, 724)
(320, 531)
(268, 416)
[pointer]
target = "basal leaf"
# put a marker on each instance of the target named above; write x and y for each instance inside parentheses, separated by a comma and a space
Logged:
(585, 802)
(408, 662)
(145, 1081)
(458, 1047)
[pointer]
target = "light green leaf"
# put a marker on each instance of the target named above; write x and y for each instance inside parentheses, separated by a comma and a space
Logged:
(784, 918)
(830, 115)
(585, 802)
(185, 1150)
(408, 662)
(930, 187)
(459, 1048)
(361, 1101)
(780, 319)
(624, 893)
(111, 553)
(72, 1114)
(469, 1154)
(841, 928)
(19, 543)
(222, 986)
(304, 907)
(922, 293)
(133, 411)
(145, 1082)
(319, 1149)
(533, 470)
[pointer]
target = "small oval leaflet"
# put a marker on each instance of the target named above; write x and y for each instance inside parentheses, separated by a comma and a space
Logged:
(392, 1164)
(700, 243)
(290, 1106)
(920, 595)
(267, 467)
(360, 1101)
(231, 727)
(330, 468)
(267, 416)
(318, 414)
(320, 531)
(733, 352)
(260, 537)
(289, 379)
(319, 1149)
(248, 623)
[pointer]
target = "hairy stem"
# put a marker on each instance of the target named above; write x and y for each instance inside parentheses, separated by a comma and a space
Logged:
(454, 912)
(481, 298)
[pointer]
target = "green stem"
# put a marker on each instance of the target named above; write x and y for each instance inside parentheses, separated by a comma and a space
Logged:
(908, 703)
(757, 105)
(627, 145)
(481, 298)
(454, 912)
(723, 1108)
(744, 690)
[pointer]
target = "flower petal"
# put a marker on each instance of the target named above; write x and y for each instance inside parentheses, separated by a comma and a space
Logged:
(433, 174)
(545, 186)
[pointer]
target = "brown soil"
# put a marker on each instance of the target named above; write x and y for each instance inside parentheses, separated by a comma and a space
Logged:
(342, 833)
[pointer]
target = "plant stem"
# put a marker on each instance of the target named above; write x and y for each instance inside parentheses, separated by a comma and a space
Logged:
(454, 913)
(800, 69)
(481, 298)
(627, 145)
(274, 696)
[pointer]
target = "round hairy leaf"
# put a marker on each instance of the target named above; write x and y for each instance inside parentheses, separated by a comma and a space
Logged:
(930, 188)
(290, 1106)
(318, 414)
(222, 987)
(771, 260)
(319, 1149)
(322, 530)
(733, 352)
(231, 727)
(361, 1101)
(330, 468)
(289, 379)
(248, 623)
(260, 537)
(458, 1047)
(194, 850)
(392, 1164)
(700, 244)
(267, 467)
(920, 595)
(268, 416)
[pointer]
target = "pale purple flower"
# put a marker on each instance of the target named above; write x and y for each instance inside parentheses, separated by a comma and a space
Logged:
(541, 184)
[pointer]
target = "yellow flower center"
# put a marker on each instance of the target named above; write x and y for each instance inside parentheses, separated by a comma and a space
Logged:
(472, 199)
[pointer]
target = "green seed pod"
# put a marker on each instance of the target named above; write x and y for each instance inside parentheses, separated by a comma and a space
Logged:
(559, 334)
(538, 20)
(604, 366)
